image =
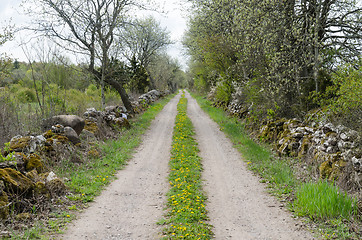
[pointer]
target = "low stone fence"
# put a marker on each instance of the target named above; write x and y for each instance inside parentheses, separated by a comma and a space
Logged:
(25, 176)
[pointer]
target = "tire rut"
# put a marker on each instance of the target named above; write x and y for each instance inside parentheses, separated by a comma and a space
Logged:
(238, 205)
(131, 205)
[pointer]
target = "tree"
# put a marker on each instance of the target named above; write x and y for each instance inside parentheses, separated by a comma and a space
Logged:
(167, 72)
(87, 27)
(5, 61)
(142, 40)
(139, 78)
(276, 50)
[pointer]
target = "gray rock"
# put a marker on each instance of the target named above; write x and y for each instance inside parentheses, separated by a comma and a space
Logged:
(87, 135)
(331, 150)
(357, 164)
(332, 141)
(297, 135)
(51, 176)
(352, 135)
(35, 143)
(73, 121)
(300, 130)
(309, 130)
(329, 127)
(321, 148)
(343, 136)
(91, 112)
(111, 108)
(347, 155)
(71, 135)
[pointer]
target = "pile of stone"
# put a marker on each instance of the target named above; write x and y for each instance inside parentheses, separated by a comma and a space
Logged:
(149, 97)
(24, 175)
(335, 149)
(101, 124)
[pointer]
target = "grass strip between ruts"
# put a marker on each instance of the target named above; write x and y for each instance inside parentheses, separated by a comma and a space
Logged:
(187, 216)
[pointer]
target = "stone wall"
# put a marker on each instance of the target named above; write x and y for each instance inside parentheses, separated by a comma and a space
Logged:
(333, 151)
(25, 176)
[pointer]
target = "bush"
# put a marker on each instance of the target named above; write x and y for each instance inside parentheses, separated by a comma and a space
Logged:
(224, 90)
(92, 90)
(26, 95)
(349, 82)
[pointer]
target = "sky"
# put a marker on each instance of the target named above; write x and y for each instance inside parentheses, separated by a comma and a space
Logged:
(173, 18)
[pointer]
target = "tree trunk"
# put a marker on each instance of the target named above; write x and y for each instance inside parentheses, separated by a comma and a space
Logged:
(122, 92)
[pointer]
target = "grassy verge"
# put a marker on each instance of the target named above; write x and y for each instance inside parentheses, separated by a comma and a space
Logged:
(278, 173)
(87, 180)
(187, 214)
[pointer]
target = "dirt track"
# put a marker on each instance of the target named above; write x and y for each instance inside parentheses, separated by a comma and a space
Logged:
(239, 207)
(130, 207)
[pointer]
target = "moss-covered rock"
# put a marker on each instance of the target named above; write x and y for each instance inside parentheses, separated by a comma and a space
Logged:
(60, 139)
(40, 189)
(305, 146)
(93, 153)
(4, 208)
(33, 175)
(19, 144)
(332, 167)
(122, 123)
(32, 162)
(23, 216)
(325, 169)
(48, 134)
(91, 126)
(15, 181)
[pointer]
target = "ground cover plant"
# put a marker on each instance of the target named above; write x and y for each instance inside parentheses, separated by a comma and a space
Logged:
(187, 216)
(323, 204)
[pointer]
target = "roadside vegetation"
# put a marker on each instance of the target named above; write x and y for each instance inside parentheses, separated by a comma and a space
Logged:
(279, 60)
(328, 211)
(87, 180)
(187, 216)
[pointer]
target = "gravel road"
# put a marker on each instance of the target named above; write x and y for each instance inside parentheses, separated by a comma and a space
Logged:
(239, 207)
(130, 207)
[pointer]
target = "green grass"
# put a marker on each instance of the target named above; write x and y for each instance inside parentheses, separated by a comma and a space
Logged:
(187, 216)
(323, 200)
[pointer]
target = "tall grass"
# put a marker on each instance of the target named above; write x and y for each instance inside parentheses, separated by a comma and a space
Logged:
(323, 200)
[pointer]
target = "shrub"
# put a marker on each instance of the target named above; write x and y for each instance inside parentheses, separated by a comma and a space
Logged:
(224, 90)
(26, 95)
(92, 90)
(349, 81)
